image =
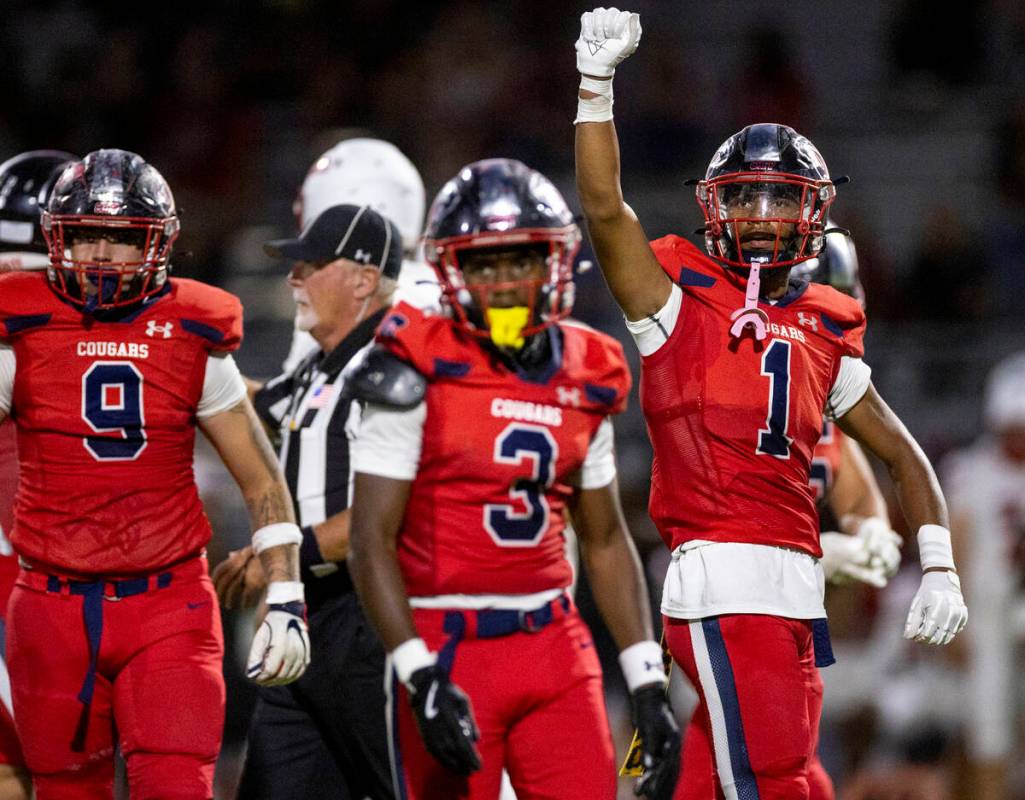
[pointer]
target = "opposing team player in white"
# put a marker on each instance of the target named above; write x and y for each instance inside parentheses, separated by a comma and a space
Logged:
(986, 488)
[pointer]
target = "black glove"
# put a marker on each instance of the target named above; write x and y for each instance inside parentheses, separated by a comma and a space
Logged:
(660, 742)
(445, 719)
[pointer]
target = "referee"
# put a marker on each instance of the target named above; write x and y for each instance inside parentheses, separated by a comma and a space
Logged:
(325, 735)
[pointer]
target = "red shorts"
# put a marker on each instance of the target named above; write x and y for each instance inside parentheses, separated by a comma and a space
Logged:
(755, 729)
(538, 701)
(157, 679)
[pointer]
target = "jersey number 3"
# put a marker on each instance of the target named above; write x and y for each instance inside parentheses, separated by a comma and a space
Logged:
(505, 522)
(112, 403)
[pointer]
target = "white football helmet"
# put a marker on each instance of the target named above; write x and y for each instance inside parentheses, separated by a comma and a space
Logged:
(365, 171)
(1005, 394)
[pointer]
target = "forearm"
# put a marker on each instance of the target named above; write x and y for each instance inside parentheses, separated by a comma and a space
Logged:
(375, 572)
(917, 488)
(332, 536)
(615, 574)
(598, 171)
(281, 563)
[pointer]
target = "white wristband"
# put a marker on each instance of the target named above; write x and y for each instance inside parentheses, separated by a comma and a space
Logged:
(934, 548)
(279, 592)
(410, 656)
(595, 109)
(276, 534)
(642, 663)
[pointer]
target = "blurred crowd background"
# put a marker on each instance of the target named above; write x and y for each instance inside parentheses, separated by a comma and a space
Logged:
(921, 102)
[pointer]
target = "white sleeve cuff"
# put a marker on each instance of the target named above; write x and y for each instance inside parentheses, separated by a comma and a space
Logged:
(8, 368)
(650, 333)
(642, 664)
(389, 442)
(223, 387)
(410, 656)
(599, 466)
(852, 381)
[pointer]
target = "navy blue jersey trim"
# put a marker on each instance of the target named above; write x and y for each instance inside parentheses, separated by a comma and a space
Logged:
(603, 395)
(450, 369)
(25, 322)
(544, 373)
(795, 289)
(208, 332)
(831, 326)
(689, 277)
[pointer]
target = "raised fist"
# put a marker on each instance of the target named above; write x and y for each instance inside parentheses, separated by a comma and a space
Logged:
(607, 37)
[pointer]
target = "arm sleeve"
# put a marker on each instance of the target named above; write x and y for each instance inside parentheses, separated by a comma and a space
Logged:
(851, 383)
(650, 333)
(389, 441)
(599, 467)
(223, 387)
(8, 365)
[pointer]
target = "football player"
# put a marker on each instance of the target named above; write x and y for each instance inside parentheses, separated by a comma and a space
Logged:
(373, 172)
(25, 184)
(738, 366)
(107, 368)
(484, 427)
(986, 483)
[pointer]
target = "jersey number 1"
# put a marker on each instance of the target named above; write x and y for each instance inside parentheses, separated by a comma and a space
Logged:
(773, 439)
(112, 403)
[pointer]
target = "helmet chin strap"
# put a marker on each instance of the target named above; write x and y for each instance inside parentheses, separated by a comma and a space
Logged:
(750, 314)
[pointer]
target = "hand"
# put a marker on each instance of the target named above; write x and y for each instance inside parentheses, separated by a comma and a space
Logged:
(938, 611)
(445, 719)
(280, 651)
(883, 544)
(847, 558)
(660, 742)
(607, 37)
(240, 579)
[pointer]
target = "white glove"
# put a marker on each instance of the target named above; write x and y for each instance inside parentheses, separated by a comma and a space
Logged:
(281, 647)
(846, 558)
(607, 37)
(883, 544)
(938, 611)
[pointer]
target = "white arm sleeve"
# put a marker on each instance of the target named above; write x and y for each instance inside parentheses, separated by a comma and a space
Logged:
(8, 365)
(849, 387)
(652, 332)
(599, 467)
(223, 387)
(389, 442)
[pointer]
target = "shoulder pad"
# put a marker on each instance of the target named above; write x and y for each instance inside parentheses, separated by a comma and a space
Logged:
(25, 302)
(383, 378)
(209, 313)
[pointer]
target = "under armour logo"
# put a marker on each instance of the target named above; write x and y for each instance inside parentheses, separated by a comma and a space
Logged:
(362, 256)
(651, 665)
(568, 396)
(808, 320)
(152, 329)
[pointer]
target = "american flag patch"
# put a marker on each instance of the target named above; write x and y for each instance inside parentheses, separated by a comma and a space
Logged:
(322, 396)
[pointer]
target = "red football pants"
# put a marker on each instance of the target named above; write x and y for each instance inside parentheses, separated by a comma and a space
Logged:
(158, 682)
(538, 701)
(755, 729)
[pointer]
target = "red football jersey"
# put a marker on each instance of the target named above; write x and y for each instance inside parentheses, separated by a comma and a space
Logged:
(8, 486)
(734, 423)
(825, 463)
(106, 418)
(488, 505)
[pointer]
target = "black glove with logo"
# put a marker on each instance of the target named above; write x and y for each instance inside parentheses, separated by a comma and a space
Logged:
(445, 719)
(660, 742)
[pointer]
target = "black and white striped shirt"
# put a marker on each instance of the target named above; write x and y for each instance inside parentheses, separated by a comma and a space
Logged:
(316, 425)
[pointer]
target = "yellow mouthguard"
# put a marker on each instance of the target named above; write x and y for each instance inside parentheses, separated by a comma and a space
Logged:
(506, 325)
